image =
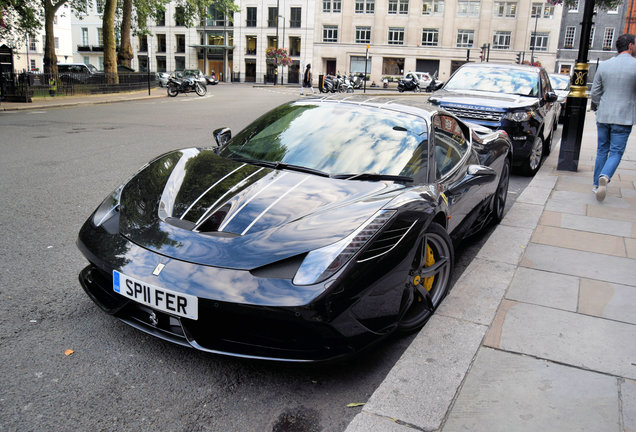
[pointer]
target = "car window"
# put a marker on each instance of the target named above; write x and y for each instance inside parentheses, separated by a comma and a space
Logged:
(559, 82)
(496, 79)
(450, 143)
(337, 138)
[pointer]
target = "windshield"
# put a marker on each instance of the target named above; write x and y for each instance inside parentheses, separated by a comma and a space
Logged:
(559, 82)
(337, 139)
(497, 80)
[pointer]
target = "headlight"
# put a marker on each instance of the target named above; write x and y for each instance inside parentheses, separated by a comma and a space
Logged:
(321, 263)
(108, 207)
(519, 116)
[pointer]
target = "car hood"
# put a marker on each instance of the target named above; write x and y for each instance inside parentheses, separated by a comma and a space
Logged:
(195, 206)
(479, 99)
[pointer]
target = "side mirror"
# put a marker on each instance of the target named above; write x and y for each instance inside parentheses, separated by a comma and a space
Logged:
(222, 136)
(551, 97)
(475, 175)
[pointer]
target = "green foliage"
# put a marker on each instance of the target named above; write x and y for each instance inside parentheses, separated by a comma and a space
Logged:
(278, 57)
(19, 18)
(603, 4)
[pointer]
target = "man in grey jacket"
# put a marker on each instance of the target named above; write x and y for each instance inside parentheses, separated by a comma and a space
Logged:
(614, 93)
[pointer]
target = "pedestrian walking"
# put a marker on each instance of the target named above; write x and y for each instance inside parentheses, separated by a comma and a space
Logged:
(614, 100)
(307, 80)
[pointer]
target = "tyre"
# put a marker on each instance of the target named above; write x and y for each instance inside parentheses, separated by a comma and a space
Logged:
(499, 198)
(532, 164)
(172, 90)
(349, 90)
(547, 146)
(200, 89)
(429, 278)
(417, 89)
(400, 89)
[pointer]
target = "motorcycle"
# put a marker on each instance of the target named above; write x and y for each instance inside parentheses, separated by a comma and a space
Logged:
(357, 81)
(408, 84)
(330, 84)
(187, 85)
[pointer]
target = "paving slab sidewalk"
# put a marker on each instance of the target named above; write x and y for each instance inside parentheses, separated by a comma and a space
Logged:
(539, 333)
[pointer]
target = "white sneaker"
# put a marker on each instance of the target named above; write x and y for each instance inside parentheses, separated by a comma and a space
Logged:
(602, 188)
(595, 189)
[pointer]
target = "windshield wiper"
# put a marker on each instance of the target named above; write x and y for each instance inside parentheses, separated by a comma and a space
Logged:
(373, 176)
(281, 165)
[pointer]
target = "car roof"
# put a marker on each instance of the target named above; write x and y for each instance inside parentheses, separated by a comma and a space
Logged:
(503, 65)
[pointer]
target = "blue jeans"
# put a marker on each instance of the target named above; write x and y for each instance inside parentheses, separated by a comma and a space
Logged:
(612, 139)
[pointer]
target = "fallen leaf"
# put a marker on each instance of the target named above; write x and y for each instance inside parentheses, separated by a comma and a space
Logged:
(68, 352)
(356, 404)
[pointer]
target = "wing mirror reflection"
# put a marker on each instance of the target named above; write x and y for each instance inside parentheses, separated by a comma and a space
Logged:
(551, 96)
(221, 137)
(475, 175)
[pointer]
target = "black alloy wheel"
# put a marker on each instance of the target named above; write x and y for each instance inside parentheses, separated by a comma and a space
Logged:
(499, 198)
(428, 280)
(172, 90)
(532, 164)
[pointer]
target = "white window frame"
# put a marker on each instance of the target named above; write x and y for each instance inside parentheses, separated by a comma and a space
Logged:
(592, 32)
(501, 36)
(84, 36)
(392, 7)
(433, 7)
(569, 35)
(574, 8)
(363, 30)
(505, 9)
(330, 33)
(465, 38)
(395, 36)
(609, 32)
(542, 37)
(544, 10)
(403, 7)
(430, 37)
(468, 8)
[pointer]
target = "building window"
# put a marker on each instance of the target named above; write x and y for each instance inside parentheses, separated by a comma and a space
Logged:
(358, 64)
(613, 11)
(365, 6)
(294, 46)
(404, 7)
(180, 40)
(272, 42)
(570, 33)
(331, 5)
(161, 19)
(330, 33)
(539, 41)
(179, 16)
(608, 39)
(401, 6)
(574, 8)
(32, 64)
(501, 40)
(179, 63)
(143, 43)
(251, 17)
(392, 66)
(250, 45)
(326, 6)
(216, 18)
(465, 38)
(433, 7)
(161, 43)
(592, 35)
(294, 17)
(84, 36)
(99, 6)
(396, 36)
(272, 17)
(469, 8)
(430, 37)
(505, 9)
(542, 10)
(33, 44)
(86, 60)
(100, 37)
(363, 35)
(161, 63)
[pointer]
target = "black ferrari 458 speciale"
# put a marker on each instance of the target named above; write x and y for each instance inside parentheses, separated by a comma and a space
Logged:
(317, 230)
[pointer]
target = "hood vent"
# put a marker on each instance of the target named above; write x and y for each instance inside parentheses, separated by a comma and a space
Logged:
(387, 240)
(214, 221)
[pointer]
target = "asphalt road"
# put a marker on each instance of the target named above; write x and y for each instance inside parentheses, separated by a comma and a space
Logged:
(56, 167)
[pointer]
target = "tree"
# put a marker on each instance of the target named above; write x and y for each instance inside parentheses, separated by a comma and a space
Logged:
(110, 44)
(125, 54)
(18, 18)
(50, 8)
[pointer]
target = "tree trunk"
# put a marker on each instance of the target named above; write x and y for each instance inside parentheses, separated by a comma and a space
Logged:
(110, 45)
(50, 59)
(125, 54)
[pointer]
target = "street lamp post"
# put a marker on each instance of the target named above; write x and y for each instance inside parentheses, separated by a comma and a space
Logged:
(534, 43)
(576, 104)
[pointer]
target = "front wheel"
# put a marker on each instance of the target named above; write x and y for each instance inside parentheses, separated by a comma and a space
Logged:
(417, 89)
(499, 198)
(429, 279)
(200, 89)
(532, 164)
(172, 90)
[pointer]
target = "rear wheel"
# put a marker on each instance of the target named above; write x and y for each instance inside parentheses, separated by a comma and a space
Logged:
(200, 89)
(499, 199)
(429, 278)
(172, 90)
(532, 164)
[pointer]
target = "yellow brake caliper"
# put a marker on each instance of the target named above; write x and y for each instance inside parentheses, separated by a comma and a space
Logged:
(428, 282)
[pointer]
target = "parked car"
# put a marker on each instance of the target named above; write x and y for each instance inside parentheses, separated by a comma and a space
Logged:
(322, 227)
(79, 73)
(515, 98)
(162, 78)
(561, 85)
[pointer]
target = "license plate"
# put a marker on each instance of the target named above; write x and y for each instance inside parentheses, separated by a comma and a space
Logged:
(159, 298)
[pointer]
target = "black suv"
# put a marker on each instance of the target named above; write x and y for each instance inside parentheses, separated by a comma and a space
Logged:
(515, 98)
